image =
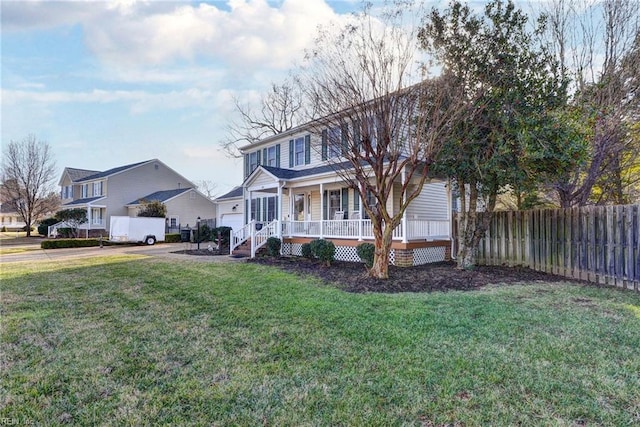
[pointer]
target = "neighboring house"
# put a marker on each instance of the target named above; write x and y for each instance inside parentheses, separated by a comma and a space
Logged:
(118, 191)
(184, 206)
(291, 190)
(10, 220)
(230, 210)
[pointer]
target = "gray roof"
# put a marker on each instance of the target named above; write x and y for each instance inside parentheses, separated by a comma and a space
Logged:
(99, 175)
(78, 174)
(7, 208)
(83, 201)
(236, 192)
(293, 174)
(160, 196)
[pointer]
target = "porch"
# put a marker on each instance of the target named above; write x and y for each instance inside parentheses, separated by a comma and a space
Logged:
(415, 242)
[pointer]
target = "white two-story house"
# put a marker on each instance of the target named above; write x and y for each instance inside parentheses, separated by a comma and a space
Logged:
(121, 191)
(291, 190)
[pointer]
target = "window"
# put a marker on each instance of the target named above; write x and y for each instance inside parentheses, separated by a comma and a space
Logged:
(85, 190)
(67, 192)
(271, 157)
(254, 209)
(271, 209)
(335, 203)
(96, 216)
(298, 151)
(253, 161)
(97, 188)
(370, 201)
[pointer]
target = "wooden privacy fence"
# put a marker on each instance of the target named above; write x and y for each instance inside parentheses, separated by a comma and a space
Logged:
(599, 244)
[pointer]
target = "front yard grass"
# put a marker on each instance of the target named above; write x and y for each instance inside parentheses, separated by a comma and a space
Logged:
(128, 340)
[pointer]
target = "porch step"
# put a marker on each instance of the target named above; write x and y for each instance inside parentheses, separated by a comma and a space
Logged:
(245, 249)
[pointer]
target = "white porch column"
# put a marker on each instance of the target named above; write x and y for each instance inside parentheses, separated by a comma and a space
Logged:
(279, 213)
(291, 217)
(403, 179)
(88, 227)
(361, 216)
(321, 210)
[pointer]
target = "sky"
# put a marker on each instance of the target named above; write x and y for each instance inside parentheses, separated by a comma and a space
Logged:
(111, 83)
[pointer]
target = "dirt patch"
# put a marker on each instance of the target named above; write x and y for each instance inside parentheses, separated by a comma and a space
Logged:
(442, 276)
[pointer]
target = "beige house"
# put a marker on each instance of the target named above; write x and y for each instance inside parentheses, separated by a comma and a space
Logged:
(291, 190)
(120, 190)
(10, 220)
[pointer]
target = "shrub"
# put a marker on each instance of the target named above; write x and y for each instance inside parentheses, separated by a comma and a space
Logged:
(172, 238)
(273, 246)
(65, 232)
(225, 235)
(324, 250)
(71, 243)
(43, 227)
(366, 252)
(4, 229)
(307, 252)
(202, 235)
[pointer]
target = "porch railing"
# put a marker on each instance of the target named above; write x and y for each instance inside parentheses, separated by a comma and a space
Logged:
(261, 236)
(362, 229)
(241, 235)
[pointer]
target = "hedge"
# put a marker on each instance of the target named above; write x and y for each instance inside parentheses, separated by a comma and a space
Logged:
(72, 243)
(172, 238)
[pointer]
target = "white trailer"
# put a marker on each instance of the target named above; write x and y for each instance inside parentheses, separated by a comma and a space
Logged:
(136, 229)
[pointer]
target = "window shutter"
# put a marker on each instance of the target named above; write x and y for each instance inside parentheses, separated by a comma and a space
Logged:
(345, 202)
(357, 138)
(264, 209)
(344, 131)
(258, 209)
(324, 144)
(325, 208)
(307, 149)
(291, 153)
(278, 155)
(246, 211)
(264, 156)
(356, 201)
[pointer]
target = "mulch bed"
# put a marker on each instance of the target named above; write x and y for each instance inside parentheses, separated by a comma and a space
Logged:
(442, 276)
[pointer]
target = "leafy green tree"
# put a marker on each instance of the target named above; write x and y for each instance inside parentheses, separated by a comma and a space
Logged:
(511, 136)
(154, 209)
(73, 217)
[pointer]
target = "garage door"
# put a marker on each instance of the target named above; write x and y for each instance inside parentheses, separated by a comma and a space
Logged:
(234, 221)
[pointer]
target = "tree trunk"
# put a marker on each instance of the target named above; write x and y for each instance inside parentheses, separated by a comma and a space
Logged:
(382, 243)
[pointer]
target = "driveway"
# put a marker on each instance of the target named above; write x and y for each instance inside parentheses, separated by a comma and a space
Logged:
(31, 252)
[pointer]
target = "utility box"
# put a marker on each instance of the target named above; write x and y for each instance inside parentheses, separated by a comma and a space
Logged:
(136, 229)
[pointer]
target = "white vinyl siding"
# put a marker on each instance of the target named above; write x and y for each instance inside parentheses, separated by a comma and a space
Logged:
(431, 204)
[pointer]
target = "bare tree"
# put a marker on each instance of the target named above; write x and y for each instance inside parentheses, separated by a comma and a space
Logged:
(279, 110)
(596, 43)
(380, 130)
(28, 179)
(207, 187)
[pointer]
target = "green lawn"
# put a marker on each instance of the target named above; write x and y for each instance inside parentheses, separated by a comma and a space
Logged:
(135, 341)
